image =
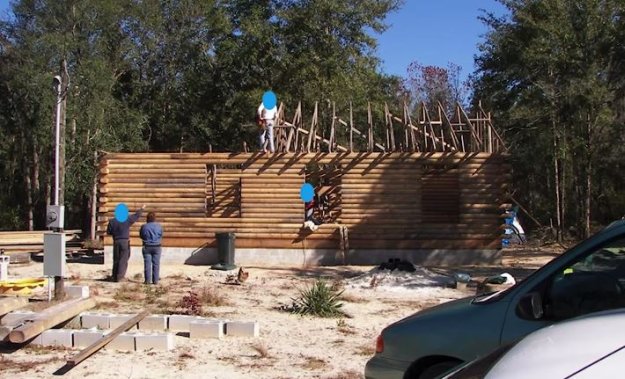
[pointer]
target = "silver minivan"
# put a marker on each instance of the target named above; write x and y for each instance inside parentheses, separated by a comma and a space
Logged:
(589, 277)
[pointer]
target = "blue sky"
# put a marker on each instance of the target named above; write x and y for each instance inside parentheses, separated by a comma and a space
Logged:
(432, 32)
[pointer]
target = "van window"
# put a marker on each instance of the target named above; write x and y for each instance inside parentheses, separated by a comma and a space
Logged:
(595, 282)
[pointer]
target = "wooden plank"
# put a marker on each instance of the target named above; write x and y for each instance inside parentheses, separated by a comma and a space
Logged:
(50, 317)
(94, 347)
(8, 304)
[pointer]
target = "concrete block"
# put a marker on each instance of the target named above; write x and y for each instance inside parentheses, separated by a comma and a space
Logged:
(154, 341)
(180, 323)
(57, 337)
(206, 329)
(77, 291)
(124, 341)
(242, 328)
(12, 317)
(115, 320)
(154, 322)
(90, 320)
(86, 337)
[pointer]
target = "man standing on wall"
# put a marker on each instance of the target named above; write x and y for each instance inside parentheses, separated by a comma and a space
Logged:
(119, 228)
(267, 118)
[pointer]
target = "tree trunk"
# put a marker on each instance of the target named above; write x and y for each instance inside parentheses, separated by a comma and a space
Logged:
(29, 198)
(557, 180)
(588, 190)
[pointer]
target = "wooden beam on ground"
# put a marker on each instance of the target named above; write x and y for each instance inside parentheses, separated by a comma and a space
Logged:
(50, 317)
(7, 304)
(94, 347)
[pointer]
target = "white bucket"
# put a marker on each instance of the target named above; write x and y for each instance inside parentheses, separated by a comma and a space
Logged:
(4, 267)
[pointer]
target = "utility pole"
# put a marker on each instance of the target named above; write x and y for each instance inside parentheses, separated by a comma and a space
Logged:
(54, 242)
(59, 280)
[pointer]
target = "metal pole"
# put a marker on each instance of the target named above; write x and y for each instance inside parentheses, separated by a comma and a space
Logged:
(57, 144)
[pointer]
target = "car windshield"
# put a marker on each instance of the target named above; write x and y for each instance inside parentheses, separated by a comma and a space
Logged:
(492, 297)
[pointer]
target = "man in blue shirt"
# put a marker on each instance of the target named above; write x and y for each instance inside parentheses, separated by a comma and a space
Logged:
(151, 233)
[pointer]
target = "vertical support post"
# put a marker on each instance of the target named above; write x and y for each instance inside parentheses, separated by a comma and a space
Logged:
(405, 120)
(312, 132)
(370, 130)
(332, 126)
(351, 128)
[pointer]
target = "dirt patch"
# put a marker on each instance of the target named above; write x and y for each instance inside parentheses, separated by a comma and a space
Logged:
(290, 346)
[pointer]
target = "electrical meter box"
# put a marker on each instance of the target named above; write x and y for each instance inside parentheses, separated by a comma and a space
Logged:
(54, 216)
(54, 254)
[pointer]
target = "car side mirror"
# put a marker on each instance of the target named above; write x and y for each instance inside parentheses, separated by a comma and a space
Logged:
(531, 306)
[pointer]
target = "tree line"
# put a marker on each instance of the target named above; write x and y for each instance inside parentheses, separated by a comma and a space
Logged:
(183, 75)
(166, 75)
(553, 74)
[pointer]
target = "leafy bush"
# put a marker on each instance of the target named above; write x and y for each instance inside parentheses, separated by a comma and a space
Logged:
(190, 304)
(319, 300)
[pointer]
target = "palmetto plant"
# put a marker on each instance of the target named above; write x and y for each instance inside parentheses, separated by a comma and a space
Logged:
(319, 300)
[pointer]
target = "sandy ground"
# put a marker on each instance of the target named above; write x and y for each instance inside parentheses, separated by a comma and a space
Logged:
(289, 346)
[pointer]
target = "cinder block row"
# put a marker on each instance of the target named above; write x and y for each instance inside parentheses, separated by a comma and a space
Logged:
(128, 341)
(242, 328)
(198, 327)
(12, 317)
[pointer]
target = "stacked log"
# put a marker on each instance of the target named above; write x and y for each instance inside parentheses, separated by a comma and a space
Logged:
(386, 200)
(25, 242)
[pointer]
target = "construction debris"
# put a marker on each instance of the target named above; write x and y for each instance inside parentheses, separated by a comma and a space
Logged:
(239, 278)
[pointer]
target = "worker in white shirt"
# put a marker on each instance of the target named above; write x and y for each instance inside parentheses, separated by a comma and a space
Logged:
(267, 119)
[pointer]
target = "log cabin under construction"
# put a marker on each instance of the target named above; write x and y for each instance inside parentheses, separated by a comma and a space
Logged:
(434, 193)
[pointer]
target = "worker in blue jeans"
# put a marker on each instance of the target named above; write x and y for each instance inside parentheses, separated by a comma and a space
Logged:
(151, 233)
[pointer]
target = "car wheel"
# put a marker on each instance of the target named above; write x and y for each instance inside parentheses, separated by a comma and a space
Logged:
(437, 369)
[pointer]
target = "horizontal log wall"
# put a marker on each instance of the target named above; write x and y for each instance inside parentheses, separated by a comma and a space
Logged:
(387, 201)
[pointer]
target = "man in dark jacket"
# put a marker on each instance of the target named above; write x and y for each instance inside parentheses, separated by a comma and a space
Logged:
(120, 230)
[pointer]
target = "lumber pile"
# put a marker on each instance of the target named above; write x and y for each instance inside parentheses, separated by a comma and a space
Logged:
(16, 242)
(397, 200)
